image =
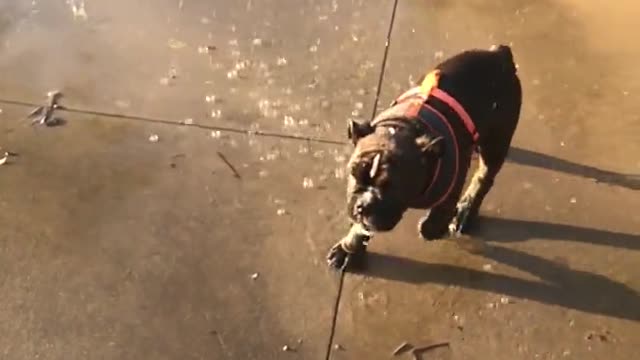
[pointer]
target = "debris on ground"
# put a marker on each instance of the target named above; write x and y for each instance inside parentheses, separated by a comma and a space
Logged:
(281, 212)
(206, 49)
(43, 115)
(4, 158)
(402, 348)
(287, 348)
(255, 276)
(419, 350)
(505, 300)
(176, 44)
(338, 347)
(307, 183)
(78, 10)
(235, 172)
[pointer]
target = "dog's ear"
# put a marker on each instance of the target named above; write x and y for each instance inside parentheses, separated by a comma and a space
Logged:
(357, 131)
(431, 146)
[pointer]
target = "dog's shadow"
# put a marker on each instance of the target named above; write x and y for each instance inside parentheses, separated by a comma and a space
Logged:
(559, 285)
(536, 159)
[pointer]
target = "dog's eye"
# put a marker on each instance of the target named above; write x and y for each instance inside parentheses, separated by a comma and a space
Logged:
(361, 172)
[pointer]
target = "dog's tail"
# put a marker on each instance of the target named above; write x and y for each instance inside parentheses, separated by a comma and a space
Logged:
(507, 56)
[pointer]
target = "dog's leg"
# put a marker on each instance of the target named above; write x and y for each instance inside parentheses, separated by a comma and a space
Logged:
(490, 162)
(435, 224)
(351, 249)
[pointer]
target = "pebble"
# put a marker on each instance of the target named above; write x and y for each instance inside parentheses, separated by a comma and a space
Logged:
(154, 138)
(505, 300)
(289, 121)
(233, 74)
(307, 183)
(254, 276)
(216, 113)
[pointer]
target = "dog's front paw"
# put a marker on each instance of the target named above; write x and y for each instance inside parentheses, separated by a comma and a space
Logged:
(340, 259)
(337, 257)
(431, 230)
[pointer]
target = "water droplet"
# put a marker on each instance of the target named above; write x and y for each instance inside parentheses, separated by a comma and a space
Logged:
(339, 173)
(263, 173)
(573, 200)
(289, 121)
(210, 98)
(505, 300)
(154, 138)
(318, 154)
(281, 212)
(233, 74)
(438, 55)
(307, 183)
(281, 61)
(257, 42)
(359, 105)
(188, 121)
(313, 48)
(487, 267)
(255, 276)
(303, 150)
(216, 113)
(216, 134)
(303, 122)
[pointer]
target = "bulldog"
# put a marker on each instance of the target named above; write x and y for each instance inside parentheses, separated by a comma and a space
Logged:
(416, 153)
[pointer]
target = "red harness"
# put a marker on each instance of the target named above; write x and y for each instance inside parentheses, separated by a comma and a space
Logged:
(413, 105)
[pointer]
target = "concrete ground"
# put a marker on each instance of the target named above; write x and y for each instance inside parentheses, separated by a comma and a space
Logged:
(184, 208)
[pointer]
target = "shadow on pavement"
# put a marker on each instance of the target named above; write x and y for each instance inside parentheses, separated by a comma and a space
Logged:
(575, 289)
(536, 159)
(511, 231)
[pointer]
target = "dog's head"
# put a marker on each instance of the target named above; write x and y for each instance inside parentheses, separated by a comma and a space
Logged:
(389, 168)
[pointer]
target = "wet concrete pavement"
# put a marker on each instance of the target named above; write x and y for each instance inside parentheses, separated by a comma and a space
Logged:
(117, 247)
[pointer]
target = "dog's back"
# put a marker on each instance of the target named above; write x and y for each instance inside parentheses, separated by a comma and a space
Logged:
(486, 83)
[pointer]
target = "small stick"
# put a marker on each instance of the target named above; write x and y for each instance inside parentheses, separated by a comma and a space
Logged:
(402, 348)
(422, 349)
(236, 174)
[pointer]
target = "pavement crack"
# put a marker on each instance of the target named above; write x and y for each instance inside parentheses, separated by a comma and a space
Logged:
(167, 122)
(383, 66)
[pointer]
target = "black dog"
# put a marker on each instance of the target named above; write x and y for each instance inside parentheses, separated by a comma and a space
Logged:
(416, 154)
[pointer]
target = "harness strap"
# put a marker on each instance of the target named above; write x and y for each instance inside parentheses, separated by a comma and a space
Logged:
(429, 87)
